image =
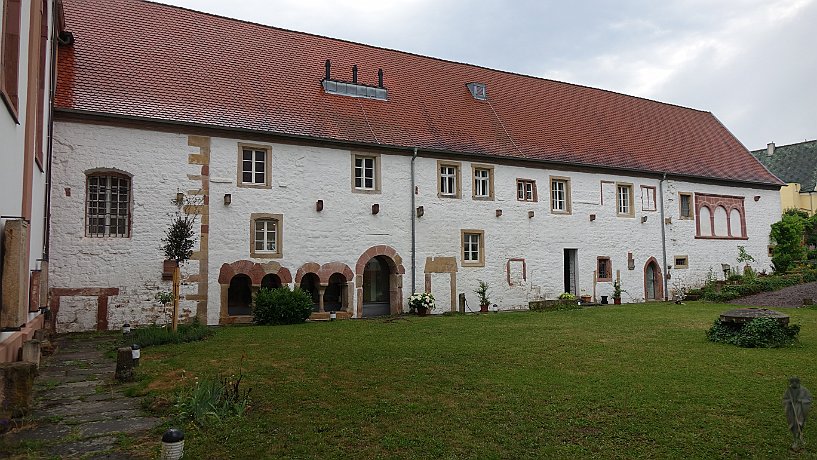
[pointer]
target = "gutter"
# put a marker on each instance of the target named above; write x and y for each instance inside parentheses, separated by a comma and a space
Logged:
(665, 270)
(413, 228)
(50, 142)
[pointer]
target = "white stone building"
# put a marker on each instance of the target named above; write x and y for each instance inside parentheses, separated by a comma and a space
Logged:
(29, 32)
(429, 175)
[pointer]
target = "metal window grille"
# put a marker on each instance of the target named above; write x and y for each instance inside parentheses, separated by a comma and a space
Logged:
(108, 206)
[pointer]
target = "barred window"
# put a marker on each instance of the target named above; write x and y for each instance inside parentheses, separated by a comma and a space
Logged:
(107, 210)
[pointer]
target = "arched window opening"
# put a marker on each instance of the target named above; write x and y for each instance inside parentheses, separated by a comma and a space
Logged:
(705, 222)
(735, 224)
(239, 296)
(721, 226)
(310, 283)
(333, 297)
(271, 281)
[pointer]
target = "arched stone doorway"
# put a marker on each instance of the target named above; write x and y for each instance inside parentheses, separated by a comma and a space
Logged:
(379, 282)
(653, 281)
(311, 284)
(239, 295)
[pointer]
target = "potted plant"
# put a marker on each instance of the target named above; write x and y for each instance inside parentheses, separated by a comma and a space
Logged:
(422, 302)
(482, 293)
(617, 292)
(585, 298)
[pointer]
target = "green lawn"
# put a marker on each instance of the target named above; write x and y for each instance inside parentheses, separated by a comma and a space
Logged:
(633, 381)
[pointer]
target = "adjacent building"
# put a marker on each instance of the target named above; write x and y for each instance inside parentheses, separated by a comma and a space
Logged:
(795, 164)
(362, 174)
(29, 33)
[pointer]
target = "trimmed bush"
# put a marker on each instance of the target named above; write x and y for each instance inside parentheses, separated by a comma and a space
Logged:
(281, 306)
(758, 333)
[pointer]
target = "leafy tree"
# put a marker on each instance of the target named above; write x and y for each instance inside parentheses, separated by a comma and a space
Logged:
(788, 234)
(180, 237)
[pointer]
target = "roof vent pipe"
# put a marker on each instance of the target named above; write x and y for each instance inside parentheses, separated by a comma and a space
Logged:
(354, 74)
(379, 78)
(770, 149)
(328, 66)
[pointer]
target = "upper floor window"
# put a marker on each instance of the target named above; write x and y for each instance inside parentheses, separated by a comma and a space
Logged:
(365, 173)
(483, 182)
(560, 195)
(265, 231)
(526, 190)
(10, 56)
(107, 205)
(254, 166)
(647, 198)
(448, 179)
(624, 200)
(720, 216)
(685, 204)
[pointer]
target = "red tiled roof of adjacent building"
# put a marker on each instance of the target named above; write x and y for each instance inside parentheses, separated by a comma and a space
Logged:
(137, 59)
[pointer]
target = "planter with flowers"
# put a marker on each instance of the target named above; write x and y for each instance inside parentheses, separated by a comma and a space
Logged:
(422, 302)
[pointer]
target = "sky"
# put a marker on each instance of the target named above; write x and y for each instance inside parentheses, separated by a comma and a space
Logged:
(752, 63)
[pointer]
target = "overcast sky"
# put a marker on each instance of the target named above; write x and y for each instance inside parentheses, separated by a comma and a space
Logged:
(752, 63)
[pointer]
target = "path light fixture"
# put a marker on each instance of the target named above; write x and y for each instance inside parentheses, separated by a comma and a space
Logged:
(495, 308)
(172, 444)
(135, 353)
(333, 316)
(126, 329)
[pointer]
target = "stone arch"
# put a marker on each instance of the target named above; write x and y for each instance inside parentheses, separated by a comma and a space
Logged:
(309, 267)
(239, 296)
(256, 273)
(396, 269)
(658, 284)
(327, 270)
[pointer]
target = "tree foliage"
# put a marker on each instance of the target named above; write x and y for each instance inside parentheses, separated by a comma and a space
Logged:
(180, 237)
(788, 235)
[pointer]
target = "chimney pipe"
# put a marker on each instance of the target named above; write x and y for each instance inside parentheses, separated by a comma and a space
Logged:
(328, 66)
(379, 78)
(354, 74)
(770, 149)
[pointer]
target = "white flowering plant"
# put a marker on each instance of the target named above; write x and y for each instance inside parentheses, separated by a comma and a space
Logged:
(422, 300)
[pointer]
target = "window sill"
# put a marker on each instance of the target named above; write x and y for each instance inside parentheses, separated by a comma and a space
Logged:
(265, 255)
(699, 237)
(604, 280)
(563, 213)
(248, 185)
(482, 198)
(473, 264)
(366, 191)
(626, 216)
(10, 106)
(450, 197)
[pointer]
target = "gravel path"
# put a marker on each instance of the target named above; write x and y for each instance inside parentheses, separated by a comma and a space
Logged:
(787, 297)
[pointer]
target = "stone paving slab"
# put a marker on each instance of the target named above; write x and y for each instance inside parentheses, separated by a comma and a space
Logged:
(79, 411)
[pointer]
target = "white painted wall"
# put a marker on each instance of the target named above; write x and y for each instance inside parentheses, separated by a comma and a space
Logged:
(346, 228)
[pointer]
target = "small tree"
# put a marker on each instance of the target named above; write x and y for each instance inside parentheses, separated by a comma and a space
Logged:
(178, 243)
(788, 236)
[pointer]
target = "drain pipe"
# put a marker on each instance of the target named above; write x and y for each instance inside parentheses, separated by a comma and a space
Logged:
(413, 230)
(663, 234)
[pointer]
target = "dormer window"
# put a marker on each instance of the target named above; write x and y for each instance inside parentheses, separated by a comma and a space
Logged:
(353, 88)
(478, 91)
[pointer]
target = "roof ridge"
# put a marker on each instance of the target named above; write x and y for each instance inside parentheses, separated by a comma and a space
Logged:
(786, 145)
(451, 61)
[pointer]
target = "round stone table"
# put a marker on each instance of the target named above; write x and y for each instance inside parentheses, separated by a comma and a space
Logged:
(744, 315)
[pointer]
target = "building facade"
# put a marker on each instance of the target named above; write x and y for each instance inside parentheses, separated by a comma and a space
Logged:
(426, 175)
(28, 38)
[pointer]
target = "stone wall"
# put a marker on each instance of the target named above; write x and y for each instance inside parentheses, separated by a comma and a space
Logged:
(525, 238)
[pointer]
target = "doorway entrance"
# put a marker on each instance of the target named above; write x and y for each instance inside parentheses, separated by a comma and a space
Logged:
(653, 281)
(571, 273)
(376, 287)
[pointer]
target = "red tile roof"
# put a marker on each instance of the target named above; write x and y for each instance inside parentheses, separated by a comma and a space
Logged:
(134, 58)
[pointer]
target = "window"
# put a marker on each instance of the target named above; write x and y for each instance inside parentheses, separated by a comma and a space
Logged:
(483, 182)
(560, 195)
(720, 216)
(448, 179)
(526, 190)
(473, 248)
(265, 235)
(624, 200)
(681, 261)
(647, 198)
(254, 164)
(478, 91)
(685, 200)
(365, 173)
(10, 56)
(604, 269)
(107, 207)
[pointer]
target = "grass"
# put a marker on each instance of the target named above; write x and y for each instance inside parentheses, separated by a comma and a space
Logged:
(632, 381)
(160, 335)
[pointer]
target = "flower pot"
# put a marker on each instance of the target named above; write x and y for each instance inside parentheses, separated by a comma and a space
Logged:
(617, 300)
(586, 299)
(422, 311)
(483, 308)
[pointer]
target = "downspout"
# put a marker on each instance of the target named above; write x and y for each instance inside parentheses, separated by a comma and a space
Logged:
(50, 142)
(413, 230)
(663, 235)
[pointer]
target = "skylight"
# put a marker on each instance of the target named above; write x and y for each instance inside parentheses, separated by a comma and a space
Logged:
(478, 91)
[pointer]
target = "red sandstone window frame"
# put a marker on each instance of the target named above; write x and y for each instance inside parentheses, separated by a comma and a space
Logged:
(604, 264)
(526, 190)
(10, 57)
(712, 202)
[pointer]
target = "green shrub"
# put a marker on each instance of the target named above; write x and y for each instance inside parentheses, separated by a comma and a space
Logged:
(281, 306)
(160, 335)
(554, 305)
(788, 235)
(758, 333)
